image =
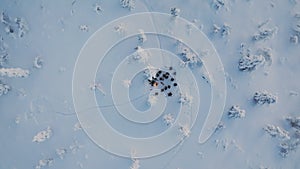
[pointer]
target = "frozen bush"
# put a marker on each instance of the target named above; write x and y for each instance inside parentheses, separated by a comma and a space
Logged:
(168, 119)
(250, 62)
(217, 4)
(14, 72)
(120, 28)
(276, 131)
(44, 163)
(220, 126)
(16, 27)
(4, 89)
(21, 26)
(141, 36)
(216, 29)
(141, 54)
(185, 98)
(225, 30)
(3, 52)
(262, 97)
(130, 4)
(264, 34)
(288, 146)
(4, 18)
(244, 50)
(42, 135)
(84, 28)
(294, 39)
(293, 143)
(296, 24)
(294, 122)
(266, 53)
(175, 11)
(189, 57)
(75, 147)
(61, 152)
(185, 130)
(289, 140)
(236, 112)
(297, 134)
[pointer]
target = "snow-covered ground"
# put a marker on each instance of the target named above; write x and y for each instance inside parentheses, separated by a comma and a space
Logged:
(45, 122)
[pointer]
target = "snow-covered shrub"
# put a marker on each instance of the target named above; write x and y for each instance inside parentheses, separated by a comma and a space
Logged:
(120, 28)
(42, 135)
(220, 126)
(288, 146)
(262, 97)
(217, 4)
(216, 29)
(3, 52)
(294, 39)
(224, 30)
(84, 28)
(294, 122)
(141, 36)
(21, 26)
(185, 98)
(175, 11)
(44, 163)
(278, 132)
(168, 119)
(4, 89)
(189, 57)
(16, 27)
(265, 34)
(61, 152)
(292, 144)
(75, 147)
(289, 140)
(130, 4)
(140, 55)
(236, 112)
(14, 72)
(266, 53)
(185, 130)
(250, 62)
(296, 29)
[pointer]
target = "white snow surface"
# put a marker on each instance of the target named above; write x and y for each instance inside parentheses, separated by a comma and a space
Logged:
(267, 30)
